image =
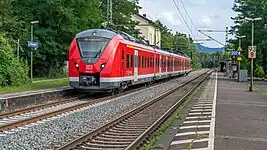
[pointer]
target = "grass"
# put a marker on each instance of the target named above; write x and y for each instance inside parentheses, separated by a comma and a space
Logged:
(260, 90)
(35, 86)
(46, 78)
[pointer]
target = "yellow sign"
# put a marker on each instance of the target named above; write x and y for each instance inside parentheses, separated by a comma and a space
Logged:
(239, 49)
(239, 58)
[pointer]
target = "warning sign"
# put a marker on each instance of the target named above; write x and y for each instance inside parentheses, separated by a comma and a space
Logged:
(252, 52)
(239, 58)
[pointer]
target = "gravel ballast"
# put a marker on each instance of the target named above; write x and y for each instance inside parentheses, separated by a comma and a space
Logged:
(60, 129)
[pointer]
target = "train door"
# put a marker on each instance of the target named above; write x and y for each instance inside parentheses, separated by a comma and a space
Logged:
(160, 65)
(122, 63)
(136, 65)
(167, 65)
(172, 64)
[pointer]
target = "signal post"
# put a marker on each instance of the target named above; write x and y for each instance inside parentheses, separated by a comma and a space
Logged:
(252, 56)
(239, 59)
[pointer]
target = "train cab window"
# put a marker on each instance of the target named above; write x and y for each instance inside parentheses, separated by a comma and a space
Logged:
(92, 47)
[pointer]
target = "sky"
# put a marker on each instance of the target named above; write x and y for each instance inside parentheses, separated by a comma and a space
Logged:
(205, 14)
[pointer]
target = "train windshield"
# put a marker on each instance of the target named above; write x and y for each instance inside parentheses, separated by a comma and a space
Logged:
(92, 47)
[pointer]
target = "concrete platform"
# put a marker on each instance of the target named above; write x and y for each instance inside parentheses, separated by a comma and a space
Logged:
(32, 92)
(12, 101)
(226, 116)
(241, 117)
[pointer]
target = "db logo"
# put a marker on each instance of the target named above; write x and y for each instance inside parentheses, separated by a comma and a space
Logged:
(129, 72)
(89, 67)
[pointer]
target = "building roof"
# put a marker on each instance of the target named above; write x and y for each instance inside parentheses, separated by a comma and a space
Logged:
(145, 18)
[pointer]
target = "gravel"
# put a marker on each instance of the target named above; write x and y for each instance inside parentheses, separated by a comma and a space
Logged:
(38, 112)
(60, 129)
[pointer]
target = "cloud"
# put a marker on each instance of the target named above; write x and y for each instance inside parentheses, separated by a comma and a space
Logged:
(205, 14)
(194, 2)
(170, 17)
(205, 21)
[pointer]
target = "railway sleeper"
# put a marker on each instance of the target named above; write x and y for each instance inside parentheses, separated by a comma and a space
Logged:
(124, 131)
(89, 148)
(133, 121)
(98, 141)
(89, 145)
(132, 126)
(136, 124)
(118, 137)
(137, 120)
(129, 129)
(115, 139)
(121, 134)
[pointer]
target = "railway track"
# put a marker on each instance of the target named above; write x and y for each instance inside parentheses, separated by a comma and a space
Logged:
(34, 114)
(22, 117)
(129, 130)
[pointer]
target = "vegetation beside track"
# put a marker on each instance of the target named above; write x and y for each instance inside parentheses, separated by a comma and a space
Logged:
(35, 86)
(260, 90)
(174, 117)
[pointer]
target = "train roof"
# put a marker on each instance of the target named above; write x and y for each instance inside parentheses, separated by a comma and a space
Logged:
(109, 33)
(96, 32)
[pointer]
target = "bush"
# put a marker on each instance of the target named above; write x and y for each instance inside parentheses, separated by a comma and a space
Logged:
(259, 71)
(12, 71)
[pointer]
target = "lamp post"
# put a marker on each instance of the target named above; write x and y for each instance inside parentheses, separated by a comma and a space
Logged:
(32, 23)
(239, 49)
(252, 43)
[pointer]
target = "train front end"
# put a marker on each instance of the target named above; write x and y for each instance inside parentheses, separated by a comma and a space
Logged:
(90, 58)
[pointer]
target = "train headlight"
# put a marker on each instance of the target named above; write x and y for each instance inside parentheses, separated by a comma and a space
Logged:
(102, 66)
(77, 66)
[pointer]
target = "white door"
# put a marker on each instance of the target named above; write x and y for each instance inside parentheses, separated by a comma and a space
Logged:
(160, 65)
(136, 64)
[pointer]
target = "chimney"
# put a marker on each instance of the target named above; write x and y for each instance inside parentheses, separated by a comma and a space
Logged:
(144, 15)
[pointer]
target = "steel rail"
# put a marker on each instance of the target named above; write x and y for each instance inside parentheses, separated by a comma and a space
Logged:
(55, 113)
(72, 144)
(37, 107)
(20, 123)
(153, 127)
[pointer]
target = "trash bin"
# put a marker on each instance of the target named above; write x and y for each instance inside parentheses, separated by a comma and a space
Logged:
(243, 75)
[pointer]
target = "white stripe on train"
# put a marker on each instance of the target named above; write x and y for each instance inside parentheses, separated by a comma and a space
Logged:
(118, 79)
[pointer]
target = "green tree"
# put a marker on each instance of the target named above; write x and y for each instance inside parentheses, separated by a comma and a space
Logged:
(166, 35)
(59, 21)
(12, 72)
(259, 72)
(252, 9)
(178, 41)
(122, 16)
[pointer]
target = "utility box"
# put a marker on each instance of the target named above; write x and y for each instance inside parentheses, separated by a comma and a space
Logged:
(243, 75)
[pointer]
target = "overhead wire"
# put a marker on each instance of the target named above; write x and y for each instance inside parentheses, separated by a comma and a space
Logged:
(188, 15)
(195, 25)
(183, 17)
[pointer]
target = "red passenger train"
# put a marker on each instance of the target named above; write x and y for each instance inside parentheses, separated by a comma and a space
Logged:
(105, 60)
